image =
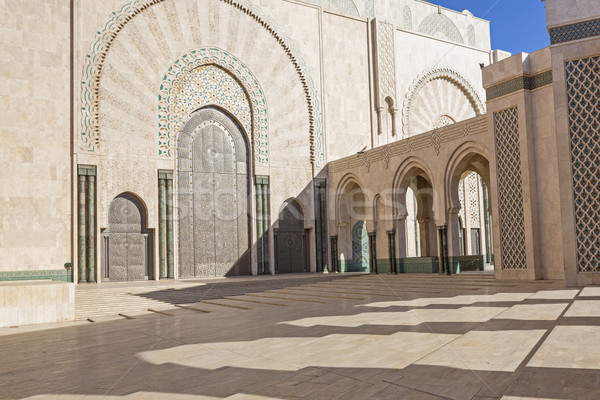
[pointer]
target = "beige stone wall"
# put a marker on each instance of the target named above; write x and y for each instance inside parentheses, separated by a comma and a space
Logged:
(560, 54)
(346, 85)
(35, 171)
(560, 13)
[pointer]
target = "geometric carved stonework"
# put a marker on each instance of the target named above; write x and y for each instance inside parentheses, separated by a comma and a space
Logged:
(126, 250)
(583, 95)
(386, 64)
(439, 25)
(213, 188)
(510, 189)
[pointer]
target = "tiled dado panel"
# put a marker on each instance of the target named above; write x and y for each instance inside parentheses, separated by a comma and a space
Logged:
(583, 96)
(510, 189)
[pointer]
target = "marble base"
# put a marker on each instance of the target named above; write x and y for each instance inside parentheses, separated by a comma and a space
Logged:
(36, 302)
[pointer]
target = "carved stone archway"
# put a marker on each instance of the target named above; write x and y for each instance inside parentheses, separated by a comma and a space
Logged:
(96, 57)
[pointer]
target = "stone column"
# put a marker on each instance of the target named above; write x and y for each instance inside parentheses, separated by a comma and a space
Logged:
(162, 227)
(393, 111)
(443, 249)
(81, 230)
(453, 232)
(486, 222)
(320, 186)
(170, 242)
(372, 252)
(262, 223)
(334, 254)
(91, 228)
(401, 240)
(392, 250)
(379, 126)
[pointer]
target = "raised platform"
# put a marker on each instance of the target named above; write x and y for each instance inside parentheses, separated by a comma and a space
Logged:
(36, 302)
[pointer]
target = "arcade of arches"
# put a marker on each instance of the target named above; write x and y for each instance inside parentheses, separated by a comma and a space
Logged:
(417, 210)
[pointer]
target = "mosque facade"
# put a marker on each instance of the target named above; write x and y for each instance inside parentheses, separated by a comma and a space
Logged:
(168, 139)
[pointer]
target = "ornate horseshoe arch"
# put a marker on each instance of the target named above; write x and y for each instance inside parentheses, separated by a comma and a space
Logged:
(168, 126)
(94, 63)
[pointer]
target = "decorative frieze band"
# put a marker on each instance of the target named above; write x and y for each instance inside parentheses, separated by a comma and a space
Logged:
(519, 83)
(580, 30)
(433, 139)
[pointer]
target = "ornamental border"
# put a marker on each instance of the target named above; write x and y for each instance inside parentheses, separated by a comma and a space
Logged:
(576, 31)
(528, 82)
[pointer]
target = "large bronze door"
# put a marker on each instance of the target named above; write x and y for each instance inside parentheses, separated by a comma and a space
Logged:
(125, 242)
(213, 189)
(290, 241)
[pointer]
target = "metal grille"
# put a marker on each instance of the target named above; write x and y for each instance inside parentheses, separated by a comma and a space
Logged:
(510, 189)
(583, 94)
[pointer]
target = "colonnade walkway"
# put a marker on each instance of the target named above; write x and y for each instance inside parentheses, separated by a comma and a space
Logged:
(326, 336)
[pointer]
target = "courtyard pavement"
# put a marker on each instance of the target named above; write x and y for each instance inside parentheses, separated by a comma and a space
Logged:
(314, 336)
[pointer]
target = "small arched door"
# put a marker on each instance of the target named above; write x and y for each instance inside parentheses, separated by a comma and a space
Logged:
(126, 241)
(290, 241)
(360, 248)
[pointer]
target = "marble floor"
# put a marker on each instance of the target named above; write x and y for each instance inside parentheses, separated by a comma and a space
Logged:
(314, 337)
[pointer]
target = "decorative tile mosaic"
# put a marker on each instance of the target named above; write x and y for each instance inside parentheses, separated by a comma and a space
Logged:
(211, 76)
(210, 85)
(510, 189)
(360, 245)
(439, 25)
(519, 83)
(583, 94)
(56, 275)
(576, 31)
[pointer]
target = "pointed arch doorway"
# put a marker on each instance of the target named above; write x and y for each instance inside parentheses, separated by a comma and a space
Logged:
(213, 196)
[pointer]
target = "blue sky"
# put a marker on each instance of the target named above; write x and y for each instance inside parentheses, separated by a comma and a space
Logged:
(515, 25)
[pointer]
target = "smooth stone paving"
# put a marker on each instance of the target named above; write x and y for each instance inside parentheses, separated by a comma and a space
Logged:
(314, 336)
